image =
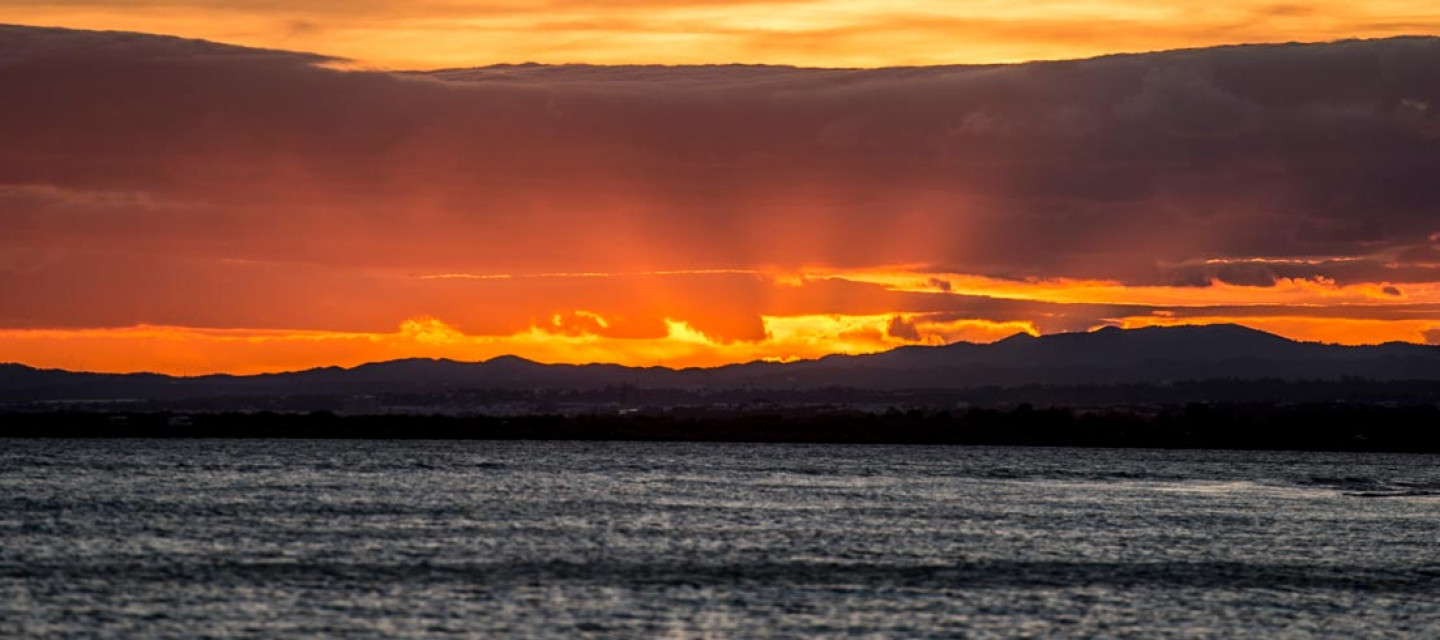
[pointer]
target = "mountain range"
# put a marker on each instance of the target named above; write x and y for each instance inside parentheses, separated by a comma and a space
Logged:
(1106, 356)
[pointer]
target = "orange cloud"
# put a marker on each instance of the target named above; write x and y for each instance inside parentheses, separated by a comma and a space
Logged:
(816, 335)
(1302, 292)
(704, 318)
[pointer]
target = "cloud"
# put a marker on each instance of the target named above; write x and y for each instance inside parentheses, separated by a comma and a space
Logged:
(149, 180)
(902, 328)
(733, 165)
(190, 351)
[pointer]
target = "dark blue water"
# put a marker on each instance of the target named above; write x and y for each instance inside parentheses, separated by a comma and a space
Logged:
(529, 539)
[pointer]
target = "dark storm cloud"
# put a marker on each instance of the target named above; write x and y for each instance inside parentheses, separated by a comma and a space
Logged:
(904, 329)
(1117, 167)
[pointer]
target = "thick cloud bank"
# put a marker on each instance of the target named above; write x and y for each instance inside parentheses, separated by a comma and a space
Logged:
(141, 174)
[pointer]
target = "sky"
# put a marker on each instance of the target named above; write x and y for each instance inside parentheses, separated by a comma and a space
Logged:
(430, 34)
(325, 196)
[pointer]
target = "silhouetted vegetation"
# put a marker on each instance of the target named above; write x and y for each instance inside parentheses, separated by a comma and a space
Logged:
(1326, 426)
(500, 401)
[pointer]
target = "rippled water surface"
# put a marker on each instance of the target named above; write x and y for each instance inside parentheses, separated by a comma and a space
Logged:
(561, 539)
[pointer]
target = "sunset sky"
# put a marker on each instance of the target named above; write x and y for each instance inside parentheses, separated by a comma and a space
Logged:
(355, 185)
(430, 34)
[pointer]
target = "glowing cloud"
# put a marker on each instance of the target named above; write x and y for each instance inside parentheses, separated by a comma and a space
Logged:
(191, 351)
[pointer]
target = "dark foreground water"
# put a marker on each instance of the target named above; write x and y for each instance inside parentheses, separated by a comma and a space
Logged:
(556, 539)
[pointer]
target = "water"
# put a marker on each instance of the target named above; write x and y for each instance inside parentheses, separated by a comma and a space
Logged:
(557, 539)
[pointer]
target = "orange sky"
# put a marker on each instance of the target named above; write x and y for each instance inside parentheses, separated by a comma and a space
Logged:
(428, 34)
(1303, 309)
(187, 207)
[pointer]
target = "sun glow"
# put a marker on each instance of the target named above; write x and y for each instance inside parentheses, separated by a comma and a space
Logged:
(1353, 314)
(194, 351)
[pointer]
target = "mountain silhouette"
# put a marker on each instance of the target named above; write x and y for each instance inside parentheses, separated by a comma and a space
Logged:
(1110, 355)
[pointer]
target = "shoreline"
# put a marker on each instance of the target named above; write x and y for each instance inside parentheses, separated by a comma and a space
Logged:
(1261, 427)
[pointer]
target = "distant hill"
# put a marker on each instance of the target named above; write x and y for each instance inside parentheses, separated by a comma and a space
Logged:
(1150, 355)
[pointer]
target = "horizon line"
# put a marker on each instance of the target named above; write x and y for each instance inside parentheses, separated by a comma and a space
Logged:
(344, 64)
(511, 356)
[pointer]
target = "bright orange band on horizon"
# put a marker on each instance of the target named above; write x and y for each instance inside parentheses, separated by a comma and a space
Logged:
(581, 336)
(407, 34)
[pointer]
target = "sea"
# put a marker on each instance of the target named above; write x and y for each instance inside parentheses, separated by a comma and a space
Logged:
(352, 538)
